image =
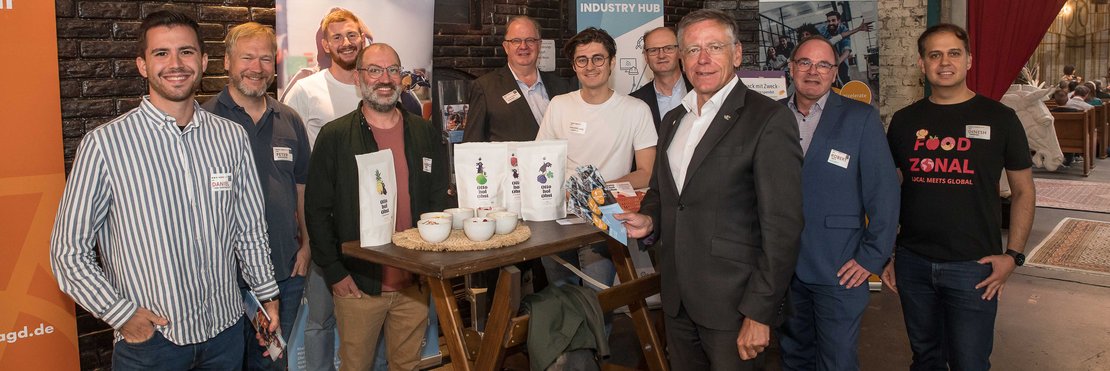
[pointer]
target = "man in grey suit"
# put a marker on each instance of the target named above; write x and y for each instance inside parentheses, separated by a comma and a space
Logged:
(508, 103)
(725, 206)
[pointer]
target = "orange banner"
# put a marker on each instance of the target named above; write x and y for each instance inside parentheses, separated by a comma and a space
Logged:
(37, 325)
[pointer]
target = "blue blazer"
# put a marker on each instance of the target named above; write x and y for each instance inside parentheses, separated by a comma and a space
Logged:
(850, 212)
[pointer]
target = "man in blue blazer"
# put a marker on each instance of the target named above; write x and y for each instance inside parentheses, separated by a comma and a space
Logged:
(850, 198)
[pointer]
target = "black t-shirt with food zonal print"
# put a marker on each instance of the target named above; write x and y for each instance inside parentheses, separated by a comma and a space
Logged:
(951, 158)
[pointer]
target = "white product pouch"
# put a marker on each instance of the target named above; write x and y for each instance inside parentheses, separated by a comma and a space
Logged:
(542, 165)
(512, 181)
(377, 197)
(480, 172)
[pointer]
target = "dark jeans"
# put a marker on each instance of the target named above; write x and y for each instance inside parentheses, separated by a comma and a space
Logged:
(223, 352)
(822, 332)
(948, 322)
(289, 301)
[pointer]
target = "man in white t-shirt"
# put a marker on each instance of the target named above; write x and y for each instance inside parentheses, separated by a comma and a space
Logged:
(602, 128)
(319, 99)
(330, 93)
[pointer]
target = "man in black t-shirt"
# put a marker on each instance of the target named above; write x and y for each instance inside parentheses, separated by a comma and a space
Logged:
(950, 149)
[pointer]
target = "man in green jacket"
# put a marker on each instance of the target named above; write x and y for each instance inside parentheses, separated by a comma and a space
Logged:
(369, 296)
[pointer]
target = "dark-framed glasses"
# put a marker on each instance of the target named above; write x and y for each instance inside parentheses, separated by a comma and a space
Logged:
(597, 60)
(531, 41)
(804, 65)
(374, 72)
(668, 49)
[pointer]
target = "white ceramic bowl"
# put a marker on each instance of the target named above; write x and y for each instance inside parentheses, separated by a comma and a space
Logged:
(435, 214)
(484, 211)
(434, 230)
(506, 221)
(479, 229)
(459, 215)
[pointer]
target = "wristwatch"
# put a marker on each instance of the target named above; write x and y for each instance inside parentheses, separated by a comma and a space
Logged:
(1019, 258)
(275, 298)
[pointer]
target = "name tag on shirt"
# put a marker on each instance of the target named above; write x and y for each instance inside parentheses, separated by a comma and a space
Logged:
(283, 154)
(577, 127)
(220, 182)
(511, 96)
(978, 132)
(427, 165)
(839, 158)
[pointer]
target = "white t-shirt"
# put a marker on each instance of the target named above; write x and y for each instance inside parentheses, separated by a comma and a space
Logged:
(319, 99)
(605, 135)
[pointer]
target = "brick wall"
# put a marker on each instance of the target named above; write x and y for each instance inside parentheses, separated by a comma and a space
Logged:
(476, 49)
(900, 80)
(99, 81)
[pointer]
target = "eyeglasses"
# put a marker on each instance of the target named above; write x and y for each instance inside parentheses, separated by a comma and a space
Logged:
(353, 37)
(598, 61)
(374, 72)
(804, 65)
(669, 49)
(712, 49)
(531, 41)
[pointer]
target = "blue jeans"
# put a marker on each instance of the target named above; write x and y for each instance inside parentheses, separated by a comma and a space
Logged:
(948, 322)
(822, 332)
(319, 329)
(289, 301)
(223, 352)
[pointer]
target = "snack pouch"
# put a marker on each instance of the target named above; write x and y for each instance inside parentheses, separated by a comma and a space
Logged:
(377, 197)
(480, 172)
(542, 165)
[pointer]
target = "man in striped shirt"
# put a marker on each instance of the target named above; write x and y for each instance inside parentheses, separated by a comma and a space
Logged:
(170, 194)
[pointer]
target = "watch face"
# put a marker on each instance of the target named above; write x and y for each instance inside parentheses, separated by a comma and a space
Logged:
(1019, 259)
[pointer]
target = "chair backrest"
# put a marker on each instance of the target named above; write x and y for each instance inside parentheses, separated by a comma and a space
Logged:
(1072, 129)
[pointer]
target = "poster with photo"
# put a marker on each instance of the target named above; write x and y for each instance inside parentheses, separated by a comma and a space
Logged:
(851, 26)
(454, 121)
(406, 25)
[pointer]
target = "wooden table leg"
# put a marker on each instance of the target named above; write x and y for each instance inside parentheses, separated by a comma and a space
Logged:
(450, 322)
(649, 338)
(506, 301)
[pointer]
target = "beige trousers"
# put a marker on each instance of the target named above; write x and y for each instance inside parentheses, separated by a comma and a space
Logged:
(404, 315)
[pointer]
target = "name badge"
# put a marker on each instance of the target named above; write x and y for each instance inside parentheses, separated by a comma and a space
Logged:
(511, 96)
(978, 132)
(427, 165)
(577, 127)
(839, 158)
(220, 182)
(283, 154)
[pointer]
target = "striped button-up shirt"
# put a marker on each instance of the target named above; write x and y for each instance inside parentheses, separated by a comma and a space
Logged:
(173, 212)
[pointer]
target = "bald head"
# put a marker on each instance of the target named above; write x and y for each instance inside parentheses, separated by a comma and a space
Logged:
(379, 49)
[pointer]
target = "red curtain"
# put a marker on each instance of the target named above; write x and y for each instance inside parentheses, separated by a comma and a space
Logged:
(1004, 33)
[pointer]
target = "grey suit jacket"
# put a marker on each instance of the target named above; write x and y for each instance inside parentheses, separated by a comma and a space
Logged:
(729, 241)
(490, 119)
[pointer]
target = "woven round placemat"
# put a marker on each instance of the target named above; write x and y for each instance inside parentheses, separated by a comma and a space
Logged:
(410, 239)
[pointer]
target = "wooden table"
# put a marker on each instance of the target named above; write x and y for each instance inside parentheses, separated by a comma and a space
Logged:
(504, 329)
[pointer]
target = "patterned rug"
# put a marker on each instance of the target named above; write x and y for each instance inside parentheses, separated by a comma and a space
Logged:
(1075, 245)
(1073, 195)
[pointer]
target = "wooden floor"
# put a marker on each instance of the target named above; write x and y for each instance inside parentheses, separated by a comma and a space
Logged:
(1048, 319)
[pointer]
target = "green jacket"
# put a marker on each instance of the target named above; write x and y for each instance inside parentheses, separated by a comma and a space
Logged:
(563, 319)
(331, 194)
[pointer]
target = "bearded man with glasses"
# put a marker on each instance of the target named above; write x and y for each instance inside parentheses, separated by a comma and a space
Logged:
(508, 103)
(370, 297)
(724, 208)
(665, 91)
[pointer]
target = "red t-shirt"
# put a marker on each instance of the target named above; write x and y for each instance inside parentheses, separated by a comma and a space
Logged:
(395, 279)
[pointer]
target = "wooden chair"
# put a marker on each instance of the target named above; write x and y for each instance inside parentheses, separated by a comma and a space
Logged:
(1074, 132)
(1103, 131)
